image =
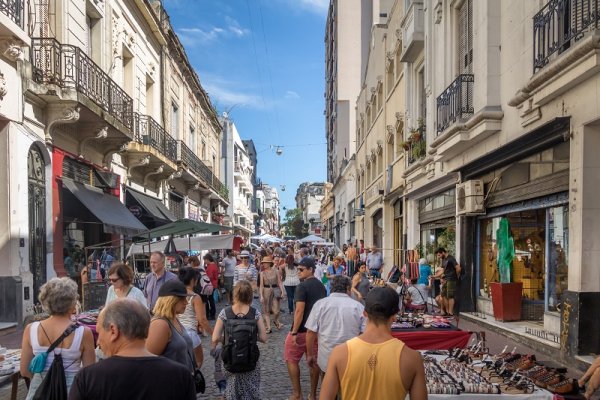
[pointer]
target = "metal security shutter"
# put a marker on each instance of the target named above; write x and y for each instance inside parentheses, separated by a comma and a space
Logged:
(176, 205)
(465, 37)
(77, 172)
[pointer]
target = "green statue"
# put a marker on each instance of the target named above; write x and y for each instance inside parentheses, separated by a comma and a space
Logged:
(506, 250)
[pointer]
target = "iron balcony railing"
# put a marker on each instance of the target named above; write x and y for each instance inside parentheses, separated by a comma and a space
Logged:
(456, 102)
(559, 24)
(14, 10)
(186, 156)
(69, 67)
(148, 131)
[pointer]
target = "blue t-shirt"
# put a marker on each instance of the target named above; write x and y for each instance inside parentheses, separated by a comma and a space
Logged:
(424, 273)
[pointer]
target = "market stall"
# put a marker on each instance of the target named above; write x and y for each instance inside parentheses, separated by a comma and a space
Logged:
(427, 332)
(9, 369)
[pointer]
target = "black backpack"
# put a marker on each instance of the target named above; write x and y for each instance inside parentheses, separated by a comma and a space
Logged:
(240, 349)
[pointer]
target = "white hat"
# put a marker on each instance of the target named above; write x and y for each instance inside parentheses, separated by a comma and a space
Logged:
(244, 253)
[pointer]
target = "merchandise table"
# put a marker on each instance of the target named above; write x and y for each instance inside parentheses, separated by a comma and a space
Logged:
(433, 338)
(538, 393)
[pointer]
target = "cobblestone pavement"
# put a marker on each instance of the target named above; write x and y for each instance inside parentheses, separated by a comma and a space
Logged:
(275, 382)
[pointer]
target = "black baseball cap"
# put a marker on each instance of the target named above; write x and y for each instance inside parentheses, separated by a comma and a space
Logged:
(173, 288)
(307, 262)
(382, 302)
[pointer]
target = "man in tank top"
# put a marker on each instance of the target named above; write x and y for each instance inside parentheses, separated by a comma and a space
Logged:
(382, 366)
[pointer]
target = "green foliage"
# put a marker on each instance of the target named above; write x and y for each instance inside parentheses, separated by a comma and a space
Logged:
(293, 223)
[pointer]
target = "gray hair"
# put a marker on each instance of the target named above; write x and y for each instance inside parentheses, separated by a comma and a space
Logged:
(59, 295)
(340, 284)
(158, 253)
(129, 316)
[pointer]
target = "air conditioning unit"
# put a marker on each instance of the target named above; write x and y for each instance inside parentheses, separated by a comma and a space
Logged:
(219, 209)
(469, 198)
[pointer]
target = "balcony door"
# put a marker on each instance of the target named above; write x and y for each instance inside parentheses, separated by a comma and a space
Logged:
(465, 37)
(36, 172)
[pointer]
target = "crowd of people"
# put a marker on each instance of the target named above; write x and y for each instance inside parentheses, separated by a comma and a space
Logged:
(150, 338)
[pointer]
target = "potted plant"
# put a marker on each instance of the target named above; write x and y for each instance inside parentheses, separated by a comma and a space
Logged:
(506, 295)
(405, 145)
(416, 134)
(418, 149)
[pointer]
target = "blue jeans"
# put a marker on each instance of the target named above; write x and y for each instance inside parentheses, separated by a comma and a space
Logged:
(290, 291)
(375, 273)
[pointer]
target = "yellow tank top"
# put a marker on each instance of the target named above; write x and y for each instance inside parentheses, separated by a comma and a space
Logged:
(373, 371)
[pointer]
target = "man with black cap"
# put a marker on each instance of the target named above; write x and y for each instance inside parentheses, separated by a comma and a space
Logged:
(308, 292)
(382, 366)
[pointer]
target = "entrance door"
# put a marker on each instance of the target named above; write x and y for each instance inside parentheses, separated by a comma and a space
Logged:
(377, 229)
(37, 218)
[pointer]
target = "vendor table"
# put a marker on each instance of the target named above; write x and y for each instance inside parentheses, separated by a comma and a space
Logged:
(433, 338)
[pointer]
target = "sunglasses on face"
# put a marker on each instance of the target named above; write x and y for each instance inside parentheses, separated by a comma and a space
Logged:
(114, 280)
(301, 269)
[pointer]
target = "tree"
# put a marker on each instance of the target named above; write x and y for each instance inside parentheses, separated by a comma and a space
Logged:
(293, 223)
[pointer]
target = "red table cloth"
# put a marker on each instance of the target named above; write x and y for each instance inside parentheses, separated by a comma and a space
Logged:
(433, 340)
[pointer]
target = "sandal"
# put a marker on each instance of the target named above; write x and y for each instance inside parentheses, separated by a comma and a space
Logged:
(268, 330)
(279, 326)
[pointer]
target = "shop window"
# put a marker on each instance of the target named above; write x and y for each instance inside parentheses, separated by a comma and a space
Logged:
(558, 250)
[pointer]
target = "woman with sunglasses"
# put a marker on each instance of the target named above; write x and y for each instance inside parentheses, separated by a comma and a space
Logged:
(120, 276)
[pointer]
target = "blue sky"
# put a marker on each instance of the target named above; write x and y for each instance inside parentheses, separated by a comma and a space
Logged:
(263, 60)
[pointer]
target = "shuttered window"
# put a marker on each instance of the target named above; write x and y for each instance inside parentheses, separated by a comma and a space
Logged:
(465, 37)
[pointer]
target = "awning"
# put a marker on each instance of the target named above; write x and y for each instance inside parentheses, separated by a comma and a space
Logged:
(210, 242)
(185, 227)
(113, 214)
(311, 238)
(153, 207)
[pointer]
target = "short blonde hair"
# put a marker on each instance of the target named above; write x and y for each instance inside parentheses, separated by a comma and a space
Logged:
(165, 307)
(59, 295)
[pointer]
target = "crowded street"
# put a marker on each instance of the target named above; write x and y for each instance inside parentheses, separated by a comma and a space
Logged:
(299, 199)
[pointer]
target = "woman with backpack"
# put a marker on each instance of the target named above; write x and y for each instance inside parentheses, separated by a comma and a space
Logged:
(194, 315)
(239, 327)
(72, 344)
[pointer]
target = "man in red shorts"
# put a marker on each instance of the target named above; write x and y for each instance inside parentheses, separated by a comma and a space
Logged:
(308, 292)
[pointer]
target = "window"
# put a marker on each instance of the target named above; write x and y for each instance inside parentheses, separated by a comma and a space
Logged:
(175, 120)
(422, 96)
(128, 72)
(390, 76)
(149, 96)
(465, 37)
(203, 154)
(192, 139)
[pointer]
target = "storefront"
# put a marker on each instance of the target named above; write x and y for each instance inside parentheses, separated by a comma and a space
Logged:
(148, 209)
(437, 224)
(526, 183)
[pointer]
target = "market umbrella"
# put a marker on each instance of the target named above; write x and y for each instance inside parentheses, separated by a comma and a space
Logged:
(311, 238)
(185, 226)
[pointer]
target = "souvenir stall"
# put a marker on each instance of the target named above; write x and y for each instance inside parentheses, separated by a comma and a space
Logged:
(428, 332)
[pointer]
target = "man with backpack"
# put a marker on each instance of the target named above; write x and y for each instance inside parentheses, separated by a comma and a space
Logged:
(241, 327)
(308, 292)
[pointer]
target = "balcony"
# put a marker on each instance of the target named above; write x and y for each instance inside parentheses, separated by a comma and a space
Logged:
(148, 132)
(14, 10)
(416, 147)
(455, 104)
(559, 24)
(67, 67)
(413, 31)
(187, 158)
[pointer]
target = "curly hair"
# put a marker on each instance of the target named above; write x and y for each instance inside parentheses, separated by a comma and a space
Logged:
(59, 295)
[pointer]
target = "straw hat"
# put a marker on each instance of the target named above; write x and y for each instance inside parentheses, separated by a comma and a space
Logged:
(266, 260)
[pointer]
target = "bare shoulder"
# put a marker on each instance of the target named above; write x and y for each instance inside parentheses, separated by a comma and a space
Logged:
(410, 358)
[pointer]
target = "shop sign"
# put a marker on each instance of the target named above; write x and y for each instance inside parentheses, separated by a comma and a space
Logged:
(194, 212)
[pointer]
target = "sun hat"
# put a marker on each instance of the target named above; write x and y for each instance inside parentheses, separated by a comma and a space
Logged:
(266, 259)
(244, 253)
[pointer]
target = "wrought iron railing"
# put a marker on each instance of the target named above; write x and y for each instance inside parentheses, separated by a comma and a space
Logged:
(14, 10)
(417, 147)
(69, 67)
(186, 156)
(560, 23)
(456, 102)
(148, 131)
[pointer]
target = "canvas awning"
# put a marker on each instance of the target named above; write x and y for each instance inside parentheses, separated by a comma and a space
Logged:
(311, 238)
(210, 242)
(153, 207)
(113, 214)
(185, 226)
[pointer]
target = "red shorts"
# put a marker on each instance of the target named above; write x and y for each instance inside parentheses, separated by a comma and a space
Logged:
(293, 353)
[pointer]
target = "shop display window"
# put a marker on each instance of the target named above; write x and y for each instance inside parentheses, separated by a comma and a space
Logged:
(541, 247)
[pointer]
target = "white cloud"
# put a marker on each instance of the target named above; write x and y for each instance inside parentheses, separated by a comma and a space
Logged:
(191, 36)
(317, 6)
(290, 94)
(227, 97)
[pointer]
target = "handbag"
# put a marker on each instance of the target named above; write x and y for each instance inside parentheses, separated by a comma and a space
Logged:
(277, 292)
(199, 382)
(38, 363)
